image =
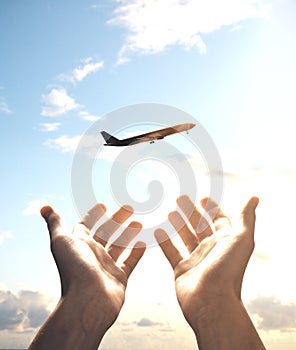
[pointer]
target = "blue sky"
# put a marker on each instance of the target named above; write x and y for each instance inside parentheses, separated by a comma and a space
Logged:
(65, 66)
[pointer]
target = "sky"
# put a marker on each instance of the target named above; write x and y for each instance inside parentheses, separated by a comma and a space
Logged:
(69, 69)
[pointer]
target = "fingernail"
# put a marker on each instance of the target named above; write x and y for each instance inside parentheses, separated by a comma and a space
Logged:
(135, 224)
(255, 201)
(102, 206)
(160, 235)
(46, 211)
(183, 198)
(128, 208)
(140, 244)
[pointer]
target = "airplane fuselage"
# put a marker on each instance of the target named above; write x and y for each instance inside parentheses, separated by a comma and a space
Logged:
(147, 137)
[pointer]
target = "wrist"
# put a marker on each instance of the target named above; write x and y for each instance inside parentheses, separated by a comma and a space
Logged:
(214, 310)
(73, 325)
(91, 310)
(225, 324)
(211, 310)
(80, 322)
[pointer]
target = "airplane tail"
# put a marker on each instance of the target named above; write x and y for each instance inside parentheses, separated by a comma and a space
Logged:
(109, 138)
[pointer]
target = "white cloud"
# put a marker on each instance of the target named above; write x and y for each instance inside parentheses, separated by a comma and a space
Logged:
(34, 207)
(146, 322)
(81, 72)
(4, 235)
(154, 25)
(235, 28)
(89, 117)
(57, 103)
(121, 58)
(273, 314)
(49, 126)
(24, 311)
(64, 143)
(4, 107)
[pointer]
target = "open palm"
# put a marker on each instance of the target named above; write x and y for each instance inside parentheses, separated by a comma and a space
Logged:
(218, 256)
(87, 266)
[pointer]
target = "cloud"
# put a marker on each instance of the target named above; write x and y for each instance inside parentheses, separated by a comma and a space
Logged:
(24, 311)
(4, 108)
(4, 235)
(57, 103)
(89, 117)
(64, 143)
(273, 314)
(81, 72)
(34, 207)
(47, 127)
(235, 28)
(146, 322)
(155, 25)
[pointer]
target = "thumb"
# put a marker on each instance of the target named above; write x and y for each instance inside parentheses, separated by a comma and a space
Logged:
(52, 219)
(248, 216)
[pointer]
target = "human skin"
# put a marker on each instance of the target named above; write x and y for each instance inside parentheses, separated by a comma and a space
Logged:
(208, 282)
(93, 284)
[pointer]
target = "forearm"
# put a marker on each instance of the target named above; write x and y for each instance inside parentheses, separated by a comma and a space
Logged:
(226, 326)
(71, 326)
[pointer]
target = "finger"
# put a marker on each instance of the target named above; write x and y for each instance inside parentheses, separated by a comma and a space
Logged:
(105, 231)
(190, 239)
(136, 254)
(204, 229)
(218, 217)
(170, 251)
(196, 219)
(93, 215)
(118, 246)
(248, 216)
(189, 209)
(53, 220)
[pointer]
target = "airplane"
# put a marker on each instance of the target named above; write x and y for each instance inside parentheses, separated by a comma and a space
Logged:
(149, 136)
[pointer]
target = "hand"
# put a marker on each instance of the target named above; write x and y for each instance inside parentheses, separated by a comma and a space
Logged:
(218, 257)
(93, 285)
(208, 282)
